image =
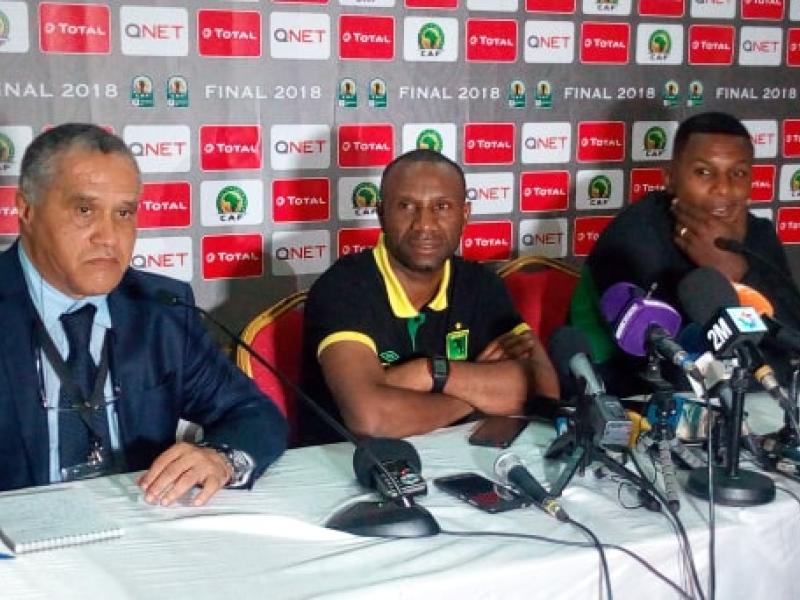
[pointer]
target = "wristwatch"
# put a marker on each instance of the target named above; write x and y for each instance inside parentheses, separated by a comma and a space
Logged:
(440, 370)
(241, 463)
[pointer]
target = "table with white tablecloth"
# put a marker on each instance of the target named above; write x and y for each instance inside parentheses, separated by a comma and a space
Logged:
(270, 542)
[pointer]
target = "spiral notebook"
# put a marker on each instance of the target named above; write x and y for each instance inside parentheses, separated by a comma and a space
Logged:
(52, 518)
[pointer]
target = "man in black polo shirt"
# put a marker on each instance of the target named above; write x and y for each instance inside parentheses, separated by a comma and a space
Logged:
(407, 337)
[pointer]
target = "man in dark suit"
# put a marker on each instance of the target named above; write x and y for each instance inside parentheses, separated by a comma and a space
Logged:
(95, 372)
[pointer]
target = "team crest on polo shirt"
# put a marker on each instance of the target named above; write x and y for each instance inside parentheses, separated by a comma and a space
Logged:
(457, 344)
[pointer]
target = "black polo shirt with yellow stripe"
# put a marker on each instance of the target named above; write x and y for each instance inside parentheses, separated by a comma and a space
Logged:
(360, 299)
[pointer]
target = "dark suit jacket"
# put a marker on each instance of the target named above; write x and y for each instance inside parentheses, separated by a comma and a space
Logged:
(165, 363)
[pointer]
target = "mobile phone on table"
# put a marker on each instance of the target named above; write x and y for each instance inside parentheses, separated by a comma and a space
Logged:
(497, 432)
(481, 492)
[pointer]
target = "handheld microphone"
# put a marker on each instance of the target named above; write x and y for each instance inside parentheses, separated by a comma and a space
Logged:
(404, 519)
(510, 470)
(786, 337)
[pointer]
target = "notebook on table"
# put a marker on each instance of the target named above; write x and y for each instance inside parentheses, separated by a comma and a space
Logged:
(52, 518)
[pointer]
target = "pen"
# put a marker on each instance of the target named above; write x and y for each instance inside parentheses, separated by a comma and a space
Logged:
(3, 556)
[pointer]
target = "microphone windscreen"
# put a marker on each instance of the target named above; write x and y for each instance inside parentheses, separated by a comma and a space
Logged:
(565, 343)
(703, 292)
(616, 298)
(385, 450)
(752, 297)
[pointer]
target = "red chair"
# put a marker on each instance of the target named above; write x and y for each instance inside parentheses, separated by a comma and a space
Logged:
(541, 289)
(277, 334)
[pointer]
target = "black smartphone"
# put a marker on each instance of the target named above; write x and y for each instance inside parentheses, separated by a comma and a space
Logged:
(481, 492)
(497, 432)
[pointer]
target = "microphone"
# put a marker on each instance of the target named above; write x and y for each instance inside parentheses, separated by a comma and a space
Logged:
(399, 458)
(402, 518)
(642, 323)
(786, 337)
(510, 470)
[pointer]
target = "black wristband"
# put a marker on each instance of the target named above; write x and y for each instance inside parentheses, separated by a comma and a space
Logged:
(440, 371)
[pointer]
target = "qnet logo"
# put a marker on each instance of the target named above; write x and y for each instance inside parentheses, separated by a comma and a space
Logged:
(791, 138)
(793, 46)
(587, 232)
(544, 191)
(300, 147)
(550, 6)
(644, 181)
(494, 5)
(546, 142)
(230, 147)
(549, 41)
(543, 237)
(711, 44)
(169, 256)
(789, 225)
(761, 46)
(305, 37)
(491, 40)
(74, 28)
(601, 141)
(229, 256)
(763, 183)
(661, 8)
(489, 143)
(301, 200)
(605, 43)
(356, 239)
(490, 193)
(300, 252)
(764, 10)
(159, 148)
(450, 4)
(764, 135)
(366, 145)
(164, 204)
(9, 221)
(487, 240)
(229, 33)
(714, 9)
(154, 31)
(363, 37)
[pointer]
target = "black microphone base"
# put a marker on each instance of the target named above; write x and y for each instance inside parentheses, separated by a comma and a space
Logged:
(746, 488)
(384, 519)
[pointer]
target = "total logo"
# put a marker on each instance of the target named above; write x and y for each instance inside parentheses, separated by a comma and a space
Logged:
(544, 191)
(363, 37)
(587, 232)
(232, 256)
(489, 143)
(763, 183)
(491, 40)
(9, 221)
(713, 9)
(549, 41)
(159, 148)
(644, 181)
(14, 27)
(440, 137)
(606, 7)
(358, 198)
(430, 40)
(791, 138)
(789, 225)
(659, 44)
(353, 240)
(365, 145)
(229, 33)
(711, 44)
(546, 142)
(164, 204)
(227, 202)
(601, 141)
(300, 252)
(300, 147)
(305, 36)
(652, 140)
(550, 6)
(154, 31)
(764, 135)
(598, 189)
(301, 200)
(605, 43)
(490, 193)
(792, 45)
(14, 139)
(169, 256)
(230, 147)
(661, 8)
(765, 10)
(789, 190)
(543, 237)
(761, 46)
(487, 240)
(74, 28)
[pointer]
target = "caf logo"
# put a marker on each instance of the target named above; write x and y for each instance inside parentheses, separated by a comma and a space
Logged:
(655, 141)
(5, 28)
(430, 139)
(794, 184)
(231, 203)
(659, 45)
(430, 39)
(600, 187)
(366, 195)
(6, 152)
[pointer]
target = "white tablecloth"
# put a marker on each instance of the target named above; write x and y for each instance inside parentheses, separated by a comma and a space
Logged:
(269, 542)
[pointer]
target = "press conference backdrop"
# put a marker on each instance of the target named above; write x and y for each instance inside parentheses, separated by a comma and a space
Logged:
(261, 127)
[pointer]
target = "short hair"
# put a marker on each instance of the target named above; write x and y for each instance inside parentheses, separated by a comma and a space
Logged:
(40, 161)
(709, 122)
(421, 155)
